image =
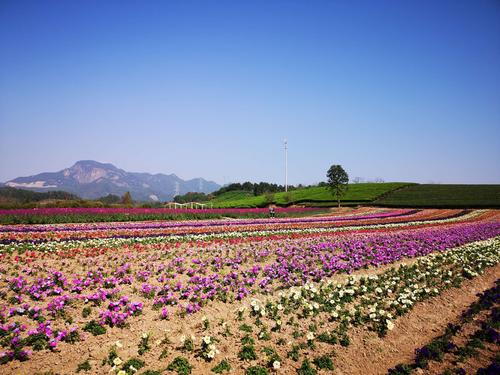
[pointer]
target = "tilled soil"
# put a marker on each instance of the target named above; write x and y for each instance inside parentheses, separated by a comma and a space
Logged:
(367, 353)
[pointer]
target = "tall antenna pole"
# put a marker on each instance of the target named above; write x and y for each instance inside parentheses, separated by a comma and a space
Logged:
(286, 165)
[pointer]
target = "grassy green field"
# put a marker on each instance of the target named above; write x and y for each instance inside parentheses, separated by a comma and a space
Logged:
(316, 196)
(442, 196)
(241, 199)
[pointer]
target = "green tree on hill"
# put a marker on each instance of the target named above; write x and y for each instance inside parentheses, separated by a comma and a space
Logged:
(127, 198)
(338, 181)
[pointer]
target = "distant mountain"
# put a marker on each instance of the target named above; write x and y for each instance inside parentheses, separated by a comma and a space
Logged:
(90, 179)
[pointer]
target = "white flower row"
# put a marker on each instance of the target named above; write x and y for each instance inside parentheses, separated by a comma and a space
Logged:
(376, 299)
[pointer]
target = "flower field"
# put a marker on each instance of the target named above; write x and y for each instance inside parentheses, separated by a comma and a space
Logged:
(84, 215)
(329, 293)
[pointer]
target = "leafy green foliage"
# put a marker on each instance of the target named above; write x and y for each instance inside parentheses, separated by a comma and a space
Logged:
(329, 338)
(323, 362)
(22, 196)
(192, 197)
(94, 328)
(84, 366)
(221, 367)
(246, 328)
(247, 340)
(249, 187)
(38, 341)
(131, 364)
(180, 365)
(247, 353)
(144, 345)
(306, 368)
(338, 181)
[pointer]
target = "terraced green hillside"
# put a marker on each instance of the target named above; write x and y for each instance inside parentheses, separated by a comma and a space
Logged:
(443, 196)
(317, 196)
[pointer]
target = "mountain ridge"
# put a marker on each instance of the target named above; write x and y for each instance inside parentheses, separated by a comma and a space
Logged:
(91, 179)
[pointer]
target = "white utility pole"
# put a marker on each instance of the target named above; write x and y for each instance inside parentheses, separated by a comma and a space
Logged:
(286, 165)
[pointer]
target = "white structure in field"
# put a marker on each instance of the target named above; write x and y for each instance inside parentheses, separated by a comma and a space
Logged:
(188, 205)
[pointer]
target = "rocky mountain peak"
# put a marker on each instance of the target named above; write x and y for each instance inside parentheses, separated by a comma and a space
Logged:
(92, 179)
(87, 171)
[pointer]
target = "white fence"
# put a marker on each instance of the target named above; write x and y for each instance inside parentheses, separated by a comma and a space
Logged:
(194, 205)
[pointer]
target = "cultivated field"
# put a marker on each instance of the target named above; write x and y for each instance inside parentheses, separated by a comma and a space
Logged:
(354, 291)
(443, 196)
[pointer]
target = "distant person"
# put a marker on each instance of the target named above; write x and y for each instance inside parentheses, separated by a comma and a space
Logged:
(271, 211)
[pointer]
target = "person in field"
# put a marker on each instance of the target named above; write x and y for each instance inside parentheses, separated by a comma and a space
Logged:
(271, 211)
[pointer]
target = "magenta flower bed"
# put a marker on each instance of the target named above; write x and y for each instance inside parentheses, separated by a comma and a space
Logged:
(147, 211)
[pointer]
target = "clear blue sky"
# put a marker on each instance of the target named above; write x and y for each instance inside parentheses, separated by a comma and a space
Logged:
(401, 90)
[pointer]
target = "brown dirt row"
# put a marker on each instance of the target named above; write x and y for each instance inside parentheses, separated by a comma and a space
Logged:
(472, 364)
(369, 354)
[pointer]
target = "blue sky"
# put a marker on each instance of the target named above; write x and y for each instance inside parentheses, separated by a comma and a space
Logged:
(400, 90)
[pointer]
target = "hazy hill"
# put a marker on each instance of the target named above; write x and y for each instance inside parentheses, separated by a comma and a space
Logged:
(90, 179)
(12, 195)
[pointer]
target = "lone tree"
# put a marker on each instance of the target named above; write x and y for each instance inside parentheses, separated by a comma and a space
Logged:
(338, 181)
(127, 199)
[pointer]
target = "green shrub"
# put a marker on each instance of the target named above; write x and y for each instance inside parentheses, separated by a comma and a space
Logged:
(84, 366)
(328, 338)
(323, 362)
(246, 328)
(135, 363)
(247, 353)
(94, 328)
(306, 368)
(221, 367)
(38, 341)
(247, 340)
(180, 365)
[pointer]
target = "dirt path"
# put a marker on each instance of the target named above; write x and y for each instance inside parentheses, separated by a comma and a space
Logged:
(369, 354)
